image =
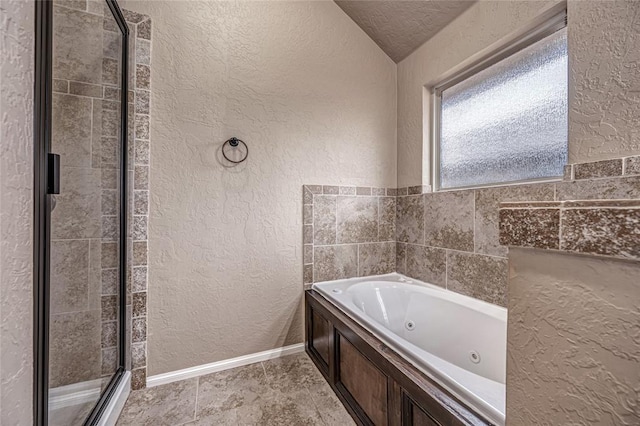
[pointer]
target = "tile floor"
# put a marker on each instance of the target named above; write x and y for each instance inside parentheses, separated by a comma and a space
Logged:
(285, 391)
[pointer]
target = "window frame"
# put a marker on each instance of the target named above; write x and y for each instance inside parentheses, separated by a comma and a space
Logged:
(548, 22)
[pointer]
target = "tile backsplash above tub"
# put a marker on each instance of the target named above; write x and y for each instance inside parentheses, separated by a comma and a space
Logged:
(450, 238)
(348, 231)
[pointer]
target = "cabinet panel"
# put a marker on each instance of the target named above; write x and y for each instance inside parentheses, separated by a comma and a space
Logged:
(420, 418)
(320, 333)
(366, 384)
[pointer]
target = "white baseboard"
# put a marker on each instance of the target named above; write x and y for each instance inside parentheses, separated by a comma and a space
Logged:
(116, 403)
(199, 370)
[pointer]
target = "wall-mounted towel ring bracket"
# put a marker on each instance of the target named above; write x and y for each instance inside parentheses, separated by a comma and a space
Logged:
(234, 143)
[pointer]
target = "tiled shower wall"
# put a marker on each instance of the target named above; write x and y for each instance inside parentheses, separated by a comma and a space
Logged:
(85, 221)
(450, 238)
(348, 231)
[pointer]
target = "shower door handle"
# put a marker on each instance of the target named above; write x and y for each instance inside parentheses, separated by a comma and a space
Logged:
(53, 173)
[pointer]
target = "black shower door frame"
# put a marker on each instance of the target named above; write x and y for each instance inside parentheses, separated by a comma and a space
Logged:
(43, 176)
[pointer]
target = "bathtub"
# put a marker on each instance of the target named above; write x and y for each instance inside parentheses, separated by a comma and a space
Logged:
(457, 341)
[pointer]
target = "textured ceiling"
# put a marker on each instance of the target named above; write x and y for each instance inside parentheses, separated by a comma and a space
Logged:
(399, 27)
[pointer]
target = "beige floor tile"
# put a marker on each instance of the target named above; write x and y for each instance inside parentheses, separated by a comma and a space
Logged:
(231, 389)
(293, 372)
(280, 408)
(228, 417)
(329, 406)
(287, 391)
(170, 405)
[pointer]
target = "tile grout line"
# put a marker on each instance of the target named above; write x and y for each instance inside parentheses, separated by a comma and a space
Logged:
(424, 225)
(458, 251)
(559, 229)
(379, 221)
(313, 242)
(446, 269)
(475, 194)
(335, 215)
(195, 409)
(91, 142)
(264, 370)
(315, 405)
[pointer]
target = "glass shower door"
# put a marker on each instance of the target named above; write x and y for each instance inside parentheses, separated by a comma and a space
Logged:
(85, 219)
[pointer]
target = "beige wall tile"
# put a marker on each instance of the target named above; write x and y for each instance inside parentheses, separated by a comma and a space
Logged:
(74, 348)
(357, 219)
(77, 213)
(410, 219)
(427, 264)
(387, 219)
(376, 258)
(612, 188)
(448, 220)
(143, 52)
(71, 130)
(401, 258)
(530, 228)
(69, 275)
(487, 204)
(335, 262)
(77, 58)
(632, 166)
(605, 231)
(85, 89)
(324, 219)
(144, 30)
(482, 277)
(598, 169)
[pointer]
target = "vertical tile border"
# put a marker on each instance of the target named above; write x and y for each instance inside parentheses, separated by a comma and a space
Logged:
(140, 72)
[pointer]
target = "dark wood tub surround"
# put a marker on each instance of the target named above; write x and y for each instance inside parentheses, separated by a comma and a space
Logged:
(375, 384)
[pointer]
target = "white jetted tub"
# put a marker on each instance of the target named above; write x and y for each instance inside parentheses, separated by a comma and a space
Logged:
(458, 341)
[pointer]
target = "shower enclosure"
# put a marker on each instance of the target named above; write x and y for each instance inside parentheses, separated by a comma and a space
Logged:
(80, 201)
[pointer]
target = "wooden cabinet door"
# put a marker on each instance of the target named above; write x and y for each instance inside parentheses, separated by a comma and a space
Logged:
(365, 384)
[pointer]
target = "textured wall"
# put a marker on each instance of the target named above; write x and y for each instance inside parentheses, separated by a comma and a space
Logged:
(573, 347)
(16, 211)
(478, 27)
(604, 61)
(314, 98)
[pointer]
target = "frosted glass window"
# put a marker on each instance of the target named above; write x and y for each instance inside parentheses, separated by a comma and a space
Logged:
(508, 122)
